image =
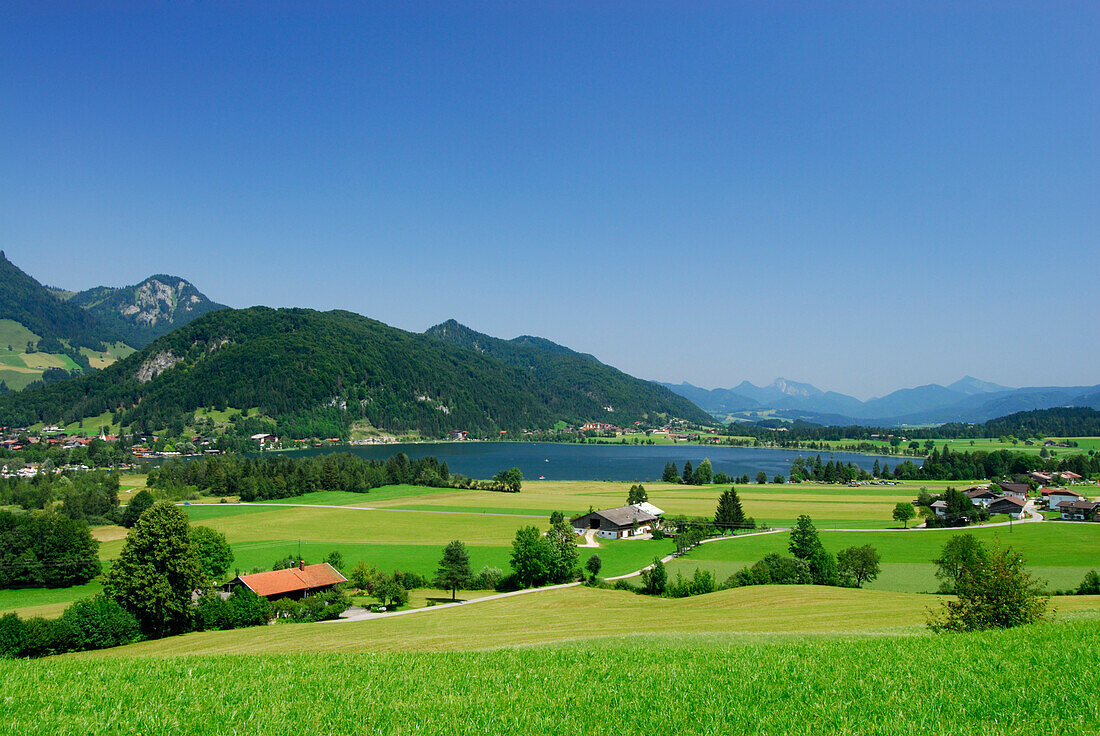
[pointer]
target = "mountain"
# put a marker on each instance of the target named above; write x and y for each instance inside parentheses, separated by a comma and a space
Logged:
(317, 372)
(969, 385)
(143, 312)
(559, 372)
(966, 400)
(24, 300)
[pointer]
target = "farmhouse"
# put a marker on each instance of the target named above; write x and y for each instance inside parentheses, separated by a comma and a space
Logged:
(1010, 505)
(295, 582)
(620, 522)
(1016, 490)
(264, 439)
(981, 496)
(1056, 496)
(1083, 510)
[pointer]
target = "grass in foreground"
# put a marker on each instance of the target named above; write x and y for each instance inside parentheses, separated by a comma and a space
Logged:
(955, 684)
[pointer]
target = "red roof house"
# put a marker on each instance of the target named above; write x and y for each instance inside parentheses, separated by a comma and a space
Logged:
(294, 582)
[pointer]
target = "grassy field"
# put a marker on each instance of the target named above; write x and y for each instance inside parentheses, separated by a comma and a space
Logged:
(986, 444)
(1061, 554)
(858, 686)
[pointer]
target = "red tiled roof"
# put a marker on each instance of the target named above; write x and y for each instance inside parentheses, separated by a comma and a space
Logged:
(293, 579)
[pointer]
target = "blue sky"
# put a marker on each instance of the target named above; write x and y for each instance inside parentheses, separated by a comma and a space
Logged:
(860, 195)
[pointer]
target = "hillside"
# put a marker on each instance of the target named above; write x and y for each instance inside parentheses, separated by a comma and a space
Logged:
(569, 381)
(143, 312)
(26, 301)
(45, 339)
(315, 373)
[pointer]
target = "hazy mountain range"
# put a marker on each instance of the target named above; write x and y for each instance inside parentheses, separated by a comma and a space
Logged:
(967, 400)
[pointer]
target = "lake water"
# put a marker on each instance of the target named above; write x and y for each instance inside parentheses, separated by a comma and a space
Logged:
(556, 461)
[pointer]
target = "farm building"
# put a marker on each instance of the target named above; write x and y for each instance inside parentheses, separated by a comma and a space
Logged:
(1010, 505)
(981, 496)
(621, 522)
(1055, 496)
(264, 439)
(295, 582)
(1082, 510)
(1016, 490)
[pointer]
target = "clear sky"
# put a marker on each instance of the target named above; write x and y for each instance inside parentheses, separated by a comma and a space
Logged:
(864, 196)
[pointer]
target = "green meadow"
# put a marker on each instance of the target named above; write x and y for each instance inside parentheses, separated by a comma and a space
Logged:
(1058, 553)
(764, 661)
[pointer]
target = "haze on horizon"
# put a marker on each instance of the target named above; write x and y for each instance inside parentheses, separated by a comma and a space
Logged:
(862, 198)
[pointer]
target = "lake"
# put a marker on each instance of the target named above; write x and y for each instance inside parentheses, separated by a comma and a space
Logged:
(558, 461)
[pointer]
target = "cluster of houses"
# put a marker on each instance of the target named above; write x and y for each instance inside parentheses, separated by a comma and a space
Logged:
(1012, 499)
(621, 522)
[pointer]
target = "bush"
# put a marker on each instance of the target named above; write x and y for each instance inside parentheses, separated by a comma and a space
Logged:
(98, 623)
(213, 613)
(508, 583)
(13, 636)
(410, 580)
(45, 637)
(1090, 585)
(996, 593)
(487, 579)
(248, 609)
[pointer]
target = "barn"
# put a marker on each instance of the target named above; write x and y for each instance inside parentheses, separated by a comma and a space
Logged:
(621, 522)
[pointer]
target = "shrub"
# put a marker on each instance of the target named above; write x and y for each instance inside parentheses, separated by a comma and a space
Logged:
(98, 623)
(213, 613)
(487, 579)
(1090, 585)
(46, 636)
(13, 635)
(996, 593)
(248, 609)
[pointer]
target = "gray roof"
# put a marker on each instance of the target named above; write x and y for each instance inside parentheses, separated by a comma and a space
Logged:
(624, 515)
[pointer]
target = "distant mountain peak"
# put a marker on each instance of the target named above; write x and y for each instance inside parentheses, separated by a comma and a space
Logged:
(969, 385)
(794, 388)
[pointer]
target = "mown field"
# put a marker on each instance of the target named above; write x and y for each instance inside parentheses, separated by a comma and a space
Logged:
(1058, 553)
(696, 666)
(406, 527)
(985, 444)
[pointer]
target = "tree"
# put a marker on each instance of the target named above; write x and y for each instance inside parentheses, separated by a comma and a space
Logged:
(729, 514)
(157, 571)
(962, 552)
(804, 539)
(761, 477)
(903, 512)
(689, 474)
(858, 565)
(390, 592)
(671, 474)
(636, 494)
(98, 623)
(510, 480)
(530, 557)
(556, 516)
(594, 565)
(564, 556)
(996, 593)
(141, 501)
(213, 550)
(335, 559)
(1090, 585)
(655, 578)
(703, 474)
(454, 568)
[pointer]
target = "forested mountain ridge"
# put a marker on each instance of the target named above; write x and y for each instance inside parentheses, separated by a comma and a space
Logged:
(316, 373)
(562, 375)
(26, 301)
(145, 311)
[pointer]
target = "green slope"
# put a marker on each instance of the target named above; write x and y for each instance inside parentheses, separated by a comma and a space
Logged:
(309, 369)
(26, 301)
(561, 373)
